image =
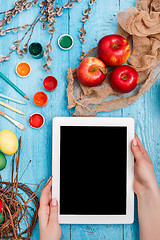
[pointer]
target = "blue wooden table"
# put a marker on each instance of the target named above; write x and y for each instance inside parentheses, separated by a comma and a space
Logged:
(37, 144)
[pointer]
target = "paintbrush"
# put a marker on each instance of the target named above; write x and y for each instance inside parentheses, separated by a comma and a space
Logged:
(17, 124)
(11, 99)
(11, 108)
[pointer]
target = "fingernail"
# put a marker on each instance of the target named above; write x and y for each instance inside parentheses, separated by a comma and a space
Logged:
(54, 202)
(134, 142)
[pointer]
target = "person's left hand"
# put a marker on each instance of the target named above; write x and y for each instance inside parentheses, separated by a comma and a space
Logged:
(48, 215)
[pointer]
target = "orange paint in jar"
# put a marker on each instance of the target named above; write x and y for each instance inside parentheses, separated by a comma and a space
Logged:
(40, 99)
(23, 69)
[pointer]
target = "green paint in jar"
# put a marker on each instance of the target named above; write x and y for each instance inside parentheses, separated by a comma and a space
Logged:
(36, 50)
(65, 42)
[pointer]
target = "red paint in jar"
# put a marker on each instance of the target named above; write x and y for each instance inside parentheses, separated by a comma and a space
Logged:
(36, 120)
(50, 83)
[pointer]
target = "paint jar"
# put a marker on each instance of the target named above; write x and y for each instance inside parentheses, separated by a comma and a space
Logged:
(36, 50)
(65, 42)
(36, 120)
(23, 69)
(40, 99)
(50, 83)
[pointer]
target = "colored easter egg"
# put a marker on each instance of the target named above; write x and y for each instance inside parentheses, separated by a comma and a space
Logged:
(1, 206)
(8, 142)
(1, 218)
(3, 162)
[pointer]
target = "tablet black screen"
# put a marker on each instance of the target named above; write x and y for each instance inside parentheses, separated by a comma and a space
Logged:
(93, 170)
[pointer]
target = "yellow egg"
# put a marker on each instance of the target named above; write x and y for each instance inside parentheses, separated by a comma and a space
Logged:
(8, 142)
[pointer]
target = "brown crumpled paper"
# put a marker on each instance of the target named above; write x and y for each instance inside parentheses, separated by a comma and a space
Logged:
(140, 25)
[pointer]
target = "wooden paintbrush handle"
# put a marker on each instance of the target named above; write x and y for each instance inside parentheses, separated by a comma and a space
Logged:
(11, 108)
(16, 123)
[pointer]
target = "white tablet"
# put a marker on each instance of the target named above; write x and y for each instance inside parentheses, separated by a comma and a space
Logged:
(93, 170)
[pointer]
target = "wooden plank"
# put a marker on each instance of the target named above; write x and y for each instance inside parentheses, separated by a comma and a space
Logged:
(131, 231)
(102, 22)
(146, 114)
(97, 232)
(36, 144)
(145, 110)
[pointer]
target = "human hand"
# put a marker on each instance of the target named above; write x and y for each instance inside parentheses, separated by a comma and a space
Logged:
(144, 179)
(148, 194)
(48, 215)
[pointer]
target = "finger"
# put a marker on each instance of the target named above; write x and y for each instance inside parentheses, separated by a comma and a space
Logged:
(45, 204)
(46, 194)
(136, 150)
(53, 211)
(143, 150)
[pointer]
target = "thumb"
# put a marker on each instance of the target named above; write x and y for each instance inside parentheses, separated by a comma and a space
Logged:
(53, 211)
(136, 150)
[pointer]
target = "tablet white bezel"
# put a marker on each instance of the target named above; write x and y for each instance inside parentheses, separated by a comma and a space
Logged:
(94, 121)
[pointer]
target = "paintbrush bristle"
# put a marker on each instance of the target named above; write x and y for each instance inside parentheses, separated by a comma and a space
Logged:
(21, 126)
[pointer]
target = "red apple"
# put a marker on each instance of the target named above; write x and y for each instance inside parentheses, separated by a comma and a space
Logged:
(91, 72)
(124, 78)
(113, 50)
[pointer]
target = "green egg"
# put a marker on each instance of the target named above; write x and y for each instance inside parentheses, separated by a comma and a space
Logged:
(1, 218)
(3, 161)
